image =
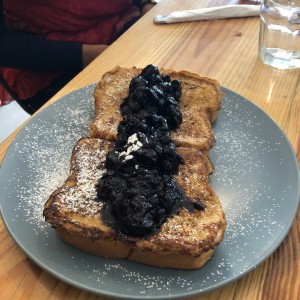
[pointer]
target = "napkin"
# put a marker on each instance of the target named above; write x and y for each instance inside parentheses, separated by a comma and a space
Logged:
(218, 12)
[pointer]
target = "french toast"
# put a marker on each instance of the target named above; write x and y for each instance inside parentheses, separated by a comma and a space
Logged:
(139, 187)
(187, 240)
(200, 104)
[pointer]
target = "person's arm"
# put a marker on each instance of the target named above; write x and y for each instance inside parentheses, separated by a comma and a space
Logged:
(24, 51)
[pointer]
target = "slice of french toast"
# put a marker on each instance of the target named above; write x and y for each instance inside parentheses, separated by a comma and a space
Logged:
(199, 104)
(187, 240)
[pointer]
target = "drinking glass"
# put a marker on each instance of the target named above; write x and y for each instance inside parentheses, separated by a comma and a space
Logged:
(279, 39)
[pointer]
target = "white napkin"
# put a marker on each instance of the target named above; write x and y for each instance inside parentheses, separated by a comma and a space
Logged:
(218, 12)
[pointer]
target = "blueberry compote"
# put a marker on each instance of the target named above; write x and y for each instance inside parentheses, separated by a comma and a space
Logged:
(138, 190)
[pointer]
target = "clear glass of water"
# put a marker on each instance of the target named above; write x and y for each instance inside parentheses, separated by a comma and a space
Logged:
(279, 38)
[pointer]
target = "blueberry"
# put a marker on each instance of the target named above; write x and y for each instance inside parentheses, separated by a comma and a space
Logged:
(140, 193)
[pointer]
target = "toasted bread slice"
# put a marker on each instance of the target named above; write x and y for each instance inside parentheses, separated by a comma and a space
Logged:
(186, 240)
(200, 103)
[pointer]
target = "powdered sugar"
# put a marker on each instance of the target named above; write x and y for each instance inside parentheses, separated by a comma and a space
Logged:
(243, 157)
(90, 168)
(44, 151)
(133, 144)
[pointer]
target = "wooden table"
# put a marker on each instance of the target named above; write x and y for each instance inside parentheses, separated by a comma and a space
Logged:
(222, 49)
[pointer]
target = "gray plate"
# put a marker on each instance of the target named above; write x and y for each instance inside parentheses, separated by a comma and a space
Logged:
(256, 178)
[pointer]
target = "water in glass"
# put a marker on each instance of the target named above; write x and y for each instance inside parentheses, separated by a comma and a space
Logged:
(279, 41)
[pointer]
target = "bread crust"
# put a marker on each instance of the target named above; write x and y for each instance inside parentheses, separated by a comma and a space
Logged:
(119, 250)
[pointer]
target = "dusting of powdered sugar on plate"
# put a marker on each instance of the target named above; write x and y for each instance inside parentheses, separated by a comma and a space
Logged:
(240, 169)
(44, 149)
(250, 156)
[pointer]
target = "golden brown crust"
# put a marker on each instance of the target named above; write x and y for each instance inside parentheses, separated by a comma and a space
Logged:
(189, 236)
(171, 260)
(200, 103)
(118, 250)
(108, 248)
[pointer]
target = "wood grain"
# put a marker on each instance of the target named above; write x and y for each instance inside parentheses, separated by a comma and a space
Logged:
(227, 51)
